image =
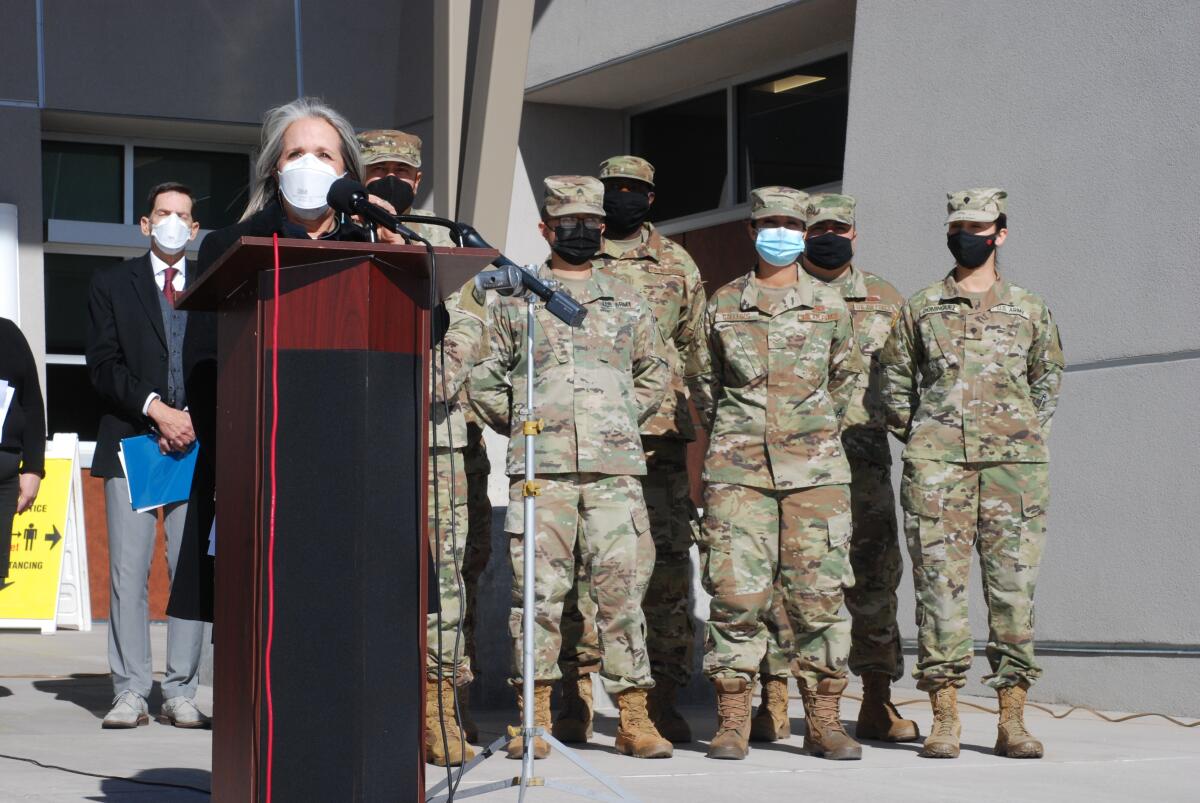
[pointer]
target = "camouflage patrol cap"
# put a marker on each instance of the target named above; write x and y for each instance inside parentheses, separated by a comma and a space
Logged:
(830, 206)
(573, 195)
(388, 145)
(627, 167)
(768, 201)
(982, 204)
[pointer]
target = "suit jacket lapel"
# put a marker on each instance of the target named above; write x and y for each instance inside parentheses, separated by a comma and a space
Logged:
(146, 289)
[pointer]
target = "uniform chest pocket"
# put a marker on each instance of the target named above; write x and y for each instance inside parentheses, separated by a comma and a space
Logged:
(875, 331)
(554, 346)
(742, 362)
(939, 341)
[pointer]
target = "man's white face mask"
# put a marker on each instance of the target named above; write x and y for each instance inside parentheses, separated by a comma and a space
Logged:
(304, 183)
(171, 234)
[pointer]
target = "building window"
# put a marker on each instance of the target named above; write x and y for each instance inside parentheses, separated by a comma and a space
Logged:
(83, 181)
(219, 181)
(72, 404)
(68, 277)
(687, 144)
(791, 127)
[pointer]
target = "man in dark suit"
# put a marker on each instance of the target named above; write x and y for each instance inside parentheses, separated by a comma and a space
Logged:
(135, 360)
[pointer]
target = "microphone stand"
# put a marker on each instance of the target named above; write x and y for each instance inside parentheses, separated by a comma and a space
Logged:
(532, 426)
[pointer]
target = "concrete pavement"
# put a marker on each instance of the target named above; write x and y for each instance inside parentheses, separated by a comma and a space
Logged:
(54, 691)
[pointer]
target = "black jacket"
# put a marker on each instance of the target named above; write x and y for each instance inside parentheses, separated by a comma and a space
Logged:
(126, 353)
(25, 425)
(192, 590)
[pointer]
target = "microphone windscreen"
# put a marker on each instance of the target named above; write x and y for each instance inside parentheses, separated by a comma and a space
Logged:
(342, 194)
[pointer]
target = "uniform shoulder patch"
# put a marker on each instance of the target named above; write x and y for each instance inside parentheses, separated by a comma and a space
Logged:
(1010, 309)
(937, 309)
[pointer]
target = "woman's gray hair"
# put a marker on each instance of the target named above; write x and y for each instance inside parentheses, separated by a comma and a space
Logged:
(276, 121)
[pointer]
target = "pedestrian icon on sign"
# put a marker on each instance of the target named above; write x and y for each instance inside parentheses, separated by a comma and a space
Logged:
(30, 537)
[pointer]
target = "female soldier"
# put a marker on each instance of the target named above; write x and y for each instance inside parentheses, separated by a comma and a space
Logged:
(783, 367)
(972, 371)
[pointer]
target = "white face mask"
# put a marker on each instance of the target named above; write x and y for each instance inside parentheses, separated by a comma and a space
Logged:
(171, 234)
(304, 183)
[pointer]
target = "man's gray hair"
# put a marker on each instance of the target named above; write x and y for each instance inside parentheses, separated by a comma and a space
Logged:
(265, 183)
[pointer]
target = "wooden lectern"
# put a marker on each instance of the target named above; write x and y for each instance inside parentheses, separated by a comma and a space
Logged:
(349, 570)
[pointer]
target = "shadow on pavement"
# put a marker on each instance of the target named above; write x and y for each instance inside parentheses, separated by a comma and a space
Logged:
(91, 692)
(5, 691)
(158, 784)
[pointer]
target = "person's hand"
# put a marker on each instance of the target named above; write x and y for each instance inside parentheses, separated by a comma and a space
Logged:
(163, 446)
(29, 484)
(174, 426)
(382, 234)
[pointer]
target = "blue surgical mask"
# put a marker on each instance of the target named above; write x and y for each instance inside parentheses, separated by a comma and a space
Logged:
(779, 246)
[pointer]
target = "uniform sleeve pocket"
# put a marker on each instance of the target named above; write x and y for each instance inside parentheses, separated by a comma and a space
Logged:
(922, 501)
(839, 526)
(1034, 501)
(514, 517)
(641, 519)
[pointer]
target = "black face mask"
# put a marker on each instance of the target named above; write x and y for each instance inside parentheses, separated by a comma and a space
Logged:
(625, 212)
(576, 245)
(829, 250)
(970, 250)
(398, 192)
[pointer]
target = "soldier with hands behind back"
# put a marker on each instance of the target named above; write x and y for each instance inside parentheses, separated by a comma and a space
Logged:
(972, 370)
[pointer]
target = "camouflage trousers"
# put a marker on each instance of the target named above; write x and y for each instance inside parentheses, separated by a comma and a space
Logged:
(445, 647)
(674, 527)
(878, 568)
(594, 524)
(476, 556)
(998, 509)
(753, 537)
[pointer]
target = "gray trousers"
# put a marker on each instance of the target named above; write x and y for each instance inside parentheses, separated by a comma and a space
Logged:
(131, 537)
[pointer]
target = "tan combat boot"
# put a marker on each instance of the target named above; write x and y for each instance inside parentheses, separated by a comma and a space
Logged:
(444, 745)
(942, 741)
(470, 729)
(824, 735)
(573, 725)
(541, 718)
(771, 722)
(1012, 740)
(636, 734)
(670, 723)
(878, 718)
(732, 739)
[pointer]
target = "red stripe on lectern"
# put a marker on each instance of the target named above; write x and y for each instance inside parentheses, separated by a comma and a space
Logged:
(271, 528)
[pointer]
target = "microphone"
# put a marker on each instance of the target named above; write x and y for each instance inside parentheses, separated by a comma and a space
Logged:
(509, 278)
(350, 197)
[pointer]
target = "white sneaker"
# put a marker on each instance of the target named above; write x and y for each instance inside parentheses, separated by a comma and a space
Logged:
(129, 710)
(182, 713)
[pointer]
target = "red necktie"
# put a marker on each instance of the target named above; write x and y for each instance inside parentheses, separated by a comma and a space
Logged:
(169, 285)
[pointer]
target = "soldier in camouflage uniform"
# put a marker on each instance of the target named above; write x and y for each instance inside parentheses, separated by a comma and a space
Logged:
(392, 170)
(782, 368)
(669, 282)
(594, 385)
(874, 305)
(972, 372)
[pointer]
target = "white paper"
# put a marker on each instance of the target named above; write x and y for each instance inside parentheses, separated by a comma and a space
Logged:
(6, 397)
(128, 490)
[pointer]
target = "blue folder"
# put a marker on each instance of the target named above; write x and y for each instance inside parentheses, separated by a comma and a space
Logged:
(156, 479)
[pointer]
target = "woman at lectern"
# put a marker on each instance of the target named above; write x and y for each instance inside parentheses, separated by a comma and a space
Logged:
(22, 434)
(305, 146)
